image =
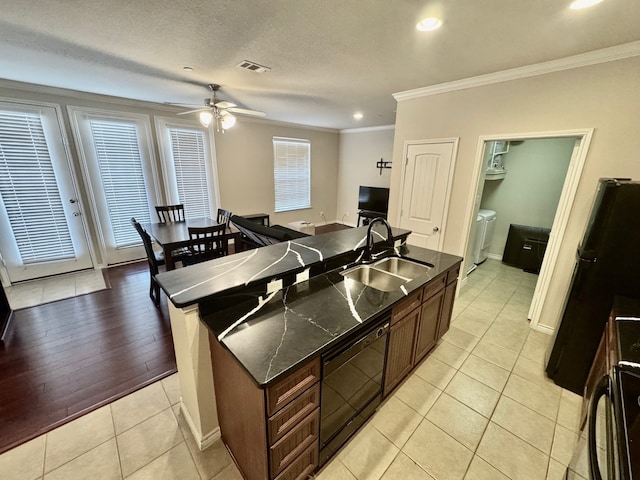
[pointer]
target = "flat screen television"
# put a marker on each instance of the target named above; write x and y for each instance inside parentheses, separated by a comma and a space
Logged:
(373, 199)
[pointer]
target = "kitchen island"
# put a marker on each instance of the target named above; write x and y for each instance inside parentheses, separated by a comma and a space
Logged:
(270, 314)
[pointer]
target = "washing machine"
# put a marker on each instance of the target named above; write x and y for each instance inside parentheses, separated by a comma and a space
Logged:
(484, 234)
(477, 240)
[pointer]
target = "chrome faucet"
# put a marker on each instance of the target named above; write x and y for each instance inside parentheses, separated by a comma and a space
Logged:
(368, 254)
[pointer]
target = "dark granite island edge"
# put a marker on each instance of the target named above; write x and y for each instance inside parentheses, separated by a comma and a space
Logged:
(197, 283)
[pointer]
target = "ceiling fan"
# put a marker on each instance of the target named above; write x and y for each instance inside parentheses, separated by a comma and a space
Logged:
(221, 111)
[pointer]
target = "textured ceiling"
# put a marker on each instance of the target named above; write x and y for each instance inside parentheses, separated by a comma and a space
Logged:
(328, 58)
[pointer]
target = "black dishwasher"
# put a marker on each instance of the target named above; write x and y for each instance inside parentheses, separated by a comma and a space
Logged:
(352, 379)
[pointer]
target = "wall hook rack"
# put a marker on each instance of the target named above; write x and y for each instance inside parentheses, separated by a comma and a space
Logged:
(382, 164)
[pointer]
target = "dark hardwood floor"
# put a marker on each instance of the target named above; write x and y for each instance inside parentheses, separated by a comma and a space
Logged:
(66, 358)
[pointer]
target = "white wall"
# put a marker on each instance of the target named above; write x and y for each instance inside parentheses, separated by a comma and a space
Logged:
(530, 191)
(603, 96)
(360, 150)
(245, 168)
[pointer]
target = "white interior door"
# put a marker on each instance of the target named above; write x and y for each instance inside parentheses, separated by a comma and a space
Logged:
(117, 156)
(425, 192)
(40, 218)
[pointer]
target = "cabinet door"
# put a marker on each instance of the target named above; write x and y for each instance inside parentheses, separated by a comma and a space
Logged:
(426, 336)
(400, 350)
(447, 310)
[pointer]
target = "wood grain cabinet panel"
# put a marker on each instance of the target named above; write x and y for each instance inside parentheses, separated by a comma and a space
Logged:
(406, 306)
(289, 416)
(447, 310)
(400, 350)
(303, 467)
(427, 331)
(285, 390)
(286, 450)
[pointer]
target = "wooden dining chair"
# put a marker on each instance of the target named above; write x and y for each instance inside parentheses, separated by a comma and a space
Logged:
(170, 213)
(224, 216)
(156, 259)
(206, 243)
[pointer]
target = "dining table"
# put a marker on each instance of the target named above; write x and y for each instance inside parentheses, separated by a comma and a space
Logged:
(175, 235)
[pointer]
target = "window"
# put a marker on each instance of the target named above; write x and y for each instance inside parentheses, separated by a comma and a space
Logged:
(189, 166)
(292, 173)
(120, 166)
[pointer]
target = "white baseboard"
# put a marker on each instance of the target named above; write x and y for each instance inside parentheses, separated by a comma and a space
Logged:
(544, 329)
(203, 441)
(494, 256)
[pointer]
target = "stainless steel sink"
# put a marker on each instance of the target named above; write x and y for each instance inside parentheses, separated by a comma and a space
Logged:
(375, 278)
(401, 267)
(388, 274)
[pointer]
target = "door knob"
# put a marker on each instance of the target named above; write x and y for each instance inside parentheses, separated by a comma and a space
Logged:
(436, 229)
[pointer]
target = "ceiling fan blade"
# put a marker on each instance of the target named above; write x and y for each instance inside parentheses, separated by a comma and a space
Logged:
(193, 111)
(244, 111)
(225, 104)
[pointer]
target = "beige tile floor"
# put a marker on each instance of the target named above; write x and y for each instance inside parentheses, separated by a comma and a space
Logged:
(478, 408)
(36, 292)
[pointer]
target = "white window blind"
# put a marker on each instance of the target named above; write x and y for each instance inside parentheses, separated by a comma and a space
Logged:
(119, 160)
(189, 161)
(292, 173)
(30, 191)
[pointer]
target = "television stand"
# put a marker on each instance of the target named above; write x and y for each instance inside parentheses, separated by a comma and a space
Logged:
(367, 216)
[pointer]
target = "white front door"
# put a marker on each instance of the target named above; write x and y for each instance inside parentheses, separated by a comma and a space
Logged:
(425, 192)
(40, 217)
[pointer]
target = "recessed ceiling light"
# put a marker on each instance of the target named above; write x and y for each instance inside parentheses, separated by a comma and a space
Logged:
(429, 24)
(188, 69)
(358, 116)
(580, 4)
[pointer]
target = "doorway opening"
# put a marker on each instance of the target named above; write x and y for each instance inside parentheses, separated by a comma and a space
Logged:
(524, 182)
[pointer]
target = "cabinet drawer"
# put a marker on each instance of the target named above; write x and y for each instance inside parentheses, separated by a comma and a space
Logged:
(285, 390)
(452, 275)
(297, 440)
(303, 466)
(289, 416)
(434, 286)
(406, 306)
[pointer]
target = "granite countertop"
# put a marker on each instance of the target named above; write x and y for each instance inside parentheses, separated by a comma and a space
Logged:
(197, 283)
(273, 334)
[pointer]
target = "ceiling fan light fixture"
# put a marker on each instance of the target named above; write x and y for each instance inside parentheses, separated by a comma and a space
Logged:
(227, 120)
(429, 24)
(205, 119)
(580, 4)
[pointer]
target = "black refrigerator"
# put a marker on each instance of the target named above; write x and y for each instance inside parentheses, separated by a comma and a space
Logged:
(607, 264)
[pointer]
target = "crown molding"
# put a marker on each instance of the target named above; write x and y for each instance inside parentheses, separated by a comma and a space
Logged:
(266, 121)
(604, 55)
(368, 129)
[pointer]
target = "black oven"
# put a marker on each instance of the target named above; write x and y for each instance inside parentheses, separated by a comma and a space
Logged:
(351, 388)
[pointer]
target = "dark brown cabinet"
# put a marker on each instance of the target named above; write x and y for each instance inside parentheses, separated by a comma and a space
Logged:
(400, 349)
(427, 333)
(272, 432)
(417, 323)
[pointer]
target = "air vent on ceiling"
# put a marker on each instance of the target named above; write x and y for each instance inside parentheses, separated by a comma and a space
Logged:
(253, 67)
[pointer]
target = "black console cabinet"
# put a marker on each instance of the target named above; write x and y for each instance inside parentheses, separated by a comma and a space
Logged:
(366, 216)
